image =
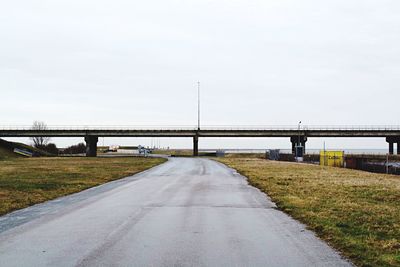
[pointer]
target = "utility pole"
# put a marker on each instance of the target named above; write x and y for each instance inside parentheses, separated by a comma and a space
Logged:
(196, 137)
(298, 141)
(198, 106)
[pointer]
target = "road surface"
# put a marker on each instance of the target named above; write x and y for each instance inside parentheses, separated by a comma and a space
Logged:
(186, 212)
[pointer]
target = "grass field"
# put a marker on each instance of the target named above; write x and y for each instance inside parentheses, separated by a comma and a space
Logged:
(27, 181)
(357, 212)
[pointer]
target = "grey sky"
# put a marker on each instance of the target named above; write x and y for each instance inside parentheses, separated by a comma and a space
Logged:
(260, 63)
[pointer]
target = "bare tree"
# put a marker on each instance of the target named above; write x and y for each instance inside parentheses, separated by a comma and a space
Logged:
(39, 141)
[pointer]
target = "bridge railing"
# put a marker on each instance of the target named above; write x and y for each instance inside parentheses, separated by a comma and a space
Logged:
(210, 127)
(309, 127)
(100, 127)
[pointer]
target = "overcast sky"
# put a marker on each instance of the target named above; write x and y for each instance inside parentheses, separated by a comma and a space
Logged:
(261, 62)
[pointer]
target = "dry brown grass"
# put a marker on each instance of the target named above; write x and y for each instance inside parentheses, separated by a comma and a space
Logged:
(175, 152)
(356, 212)
(27, 181)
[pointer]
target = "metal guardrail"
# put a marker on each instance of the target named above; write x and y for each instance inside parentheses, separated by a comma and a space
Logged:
(210, 127)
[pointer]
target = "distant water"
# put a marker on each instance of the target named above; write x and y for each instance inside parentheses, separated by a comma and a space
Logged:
(308, 151)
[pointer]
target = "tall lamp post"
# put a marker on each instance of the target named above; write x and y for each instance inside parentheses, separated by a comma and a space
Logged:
(196, 137)
(198, 106)
(298, 140)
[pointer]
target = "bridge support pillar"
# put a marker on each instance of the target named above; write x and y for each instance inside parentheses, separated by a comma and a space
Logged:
(296, 142)
(91, 146)
(392, 140)
(293, 146)
(391, 148)
(303, 144)
(195, 146)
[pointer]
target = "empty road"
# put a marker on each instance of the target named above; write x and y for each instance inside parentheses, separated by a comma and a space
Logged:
(186, 212)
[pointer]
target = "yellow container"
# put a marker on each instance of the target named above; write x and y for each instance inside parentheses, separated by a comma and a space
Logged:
(331, 158)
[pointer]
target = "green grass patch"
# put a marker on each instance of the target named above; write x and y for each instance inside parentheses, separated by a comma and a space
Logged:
(9, 146)
(28, 181)
(356, 212)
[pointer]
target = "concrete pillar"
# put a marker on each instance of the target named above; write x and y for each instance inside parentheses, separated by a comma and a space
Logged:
(391, 148)
(303, 144)
(295, 142)
(391, 140)
(195, 146)
(293, 147)
(91, 146)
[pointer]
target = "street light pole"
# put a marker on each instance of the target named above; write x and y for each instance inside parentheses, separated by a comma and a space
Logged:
(298, 140)
(198, 106)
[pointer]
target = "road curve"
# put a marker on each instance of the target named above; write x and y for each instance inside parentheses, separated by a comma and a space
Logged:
(186, 212)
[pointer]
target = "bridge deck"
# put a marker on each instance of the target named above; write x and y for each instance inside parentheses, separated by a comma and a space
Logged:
(209, 131)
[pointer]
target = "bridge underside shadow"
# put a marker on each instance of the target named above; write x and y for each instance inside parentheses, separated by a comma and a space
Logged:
(296, 143)
(392, 141)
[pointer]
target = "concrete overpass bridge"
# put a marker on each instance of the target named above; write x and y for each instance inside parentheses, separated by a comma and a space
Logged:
(298, 136)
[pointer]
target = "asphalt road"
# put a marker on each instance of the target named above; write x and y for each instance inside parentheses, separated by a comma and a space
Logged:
(186, 212)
